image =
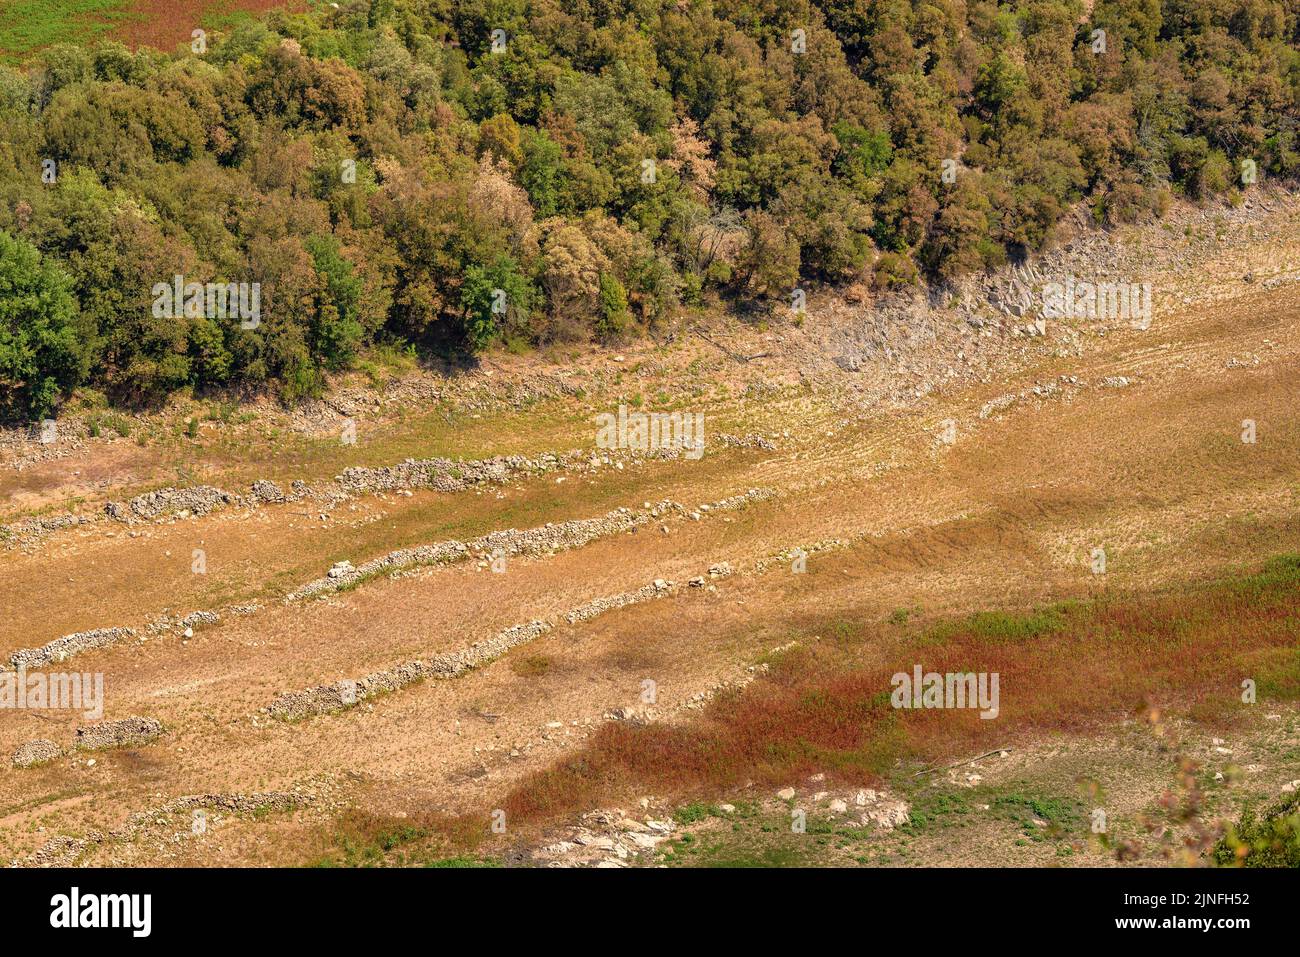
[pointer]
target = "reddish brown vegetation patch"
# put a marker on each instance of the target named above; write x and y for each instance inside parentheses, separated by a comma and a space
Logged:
(1066, 667)
(165, 23)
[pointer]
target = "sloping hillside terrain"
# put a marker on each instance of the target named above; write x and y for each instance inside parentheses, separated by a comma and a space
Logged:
(681, 433)
(347, 677)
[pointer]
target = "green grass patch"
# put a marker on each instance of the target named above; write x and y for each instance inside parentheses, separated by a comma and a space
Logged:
(1059, 816)
(1005, 626)
(695, 812)
(937, 809)
(27, 26)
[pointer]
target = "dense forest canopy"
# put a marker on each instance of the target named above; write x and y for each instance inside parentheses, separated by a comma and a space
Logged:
(447, 174)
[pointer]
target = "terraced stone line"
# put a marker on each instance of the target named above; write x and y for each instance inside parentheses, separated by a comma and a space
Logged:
(61, 649)
(438, 474)
(647, 714)
(31, 754)
(330, 698)
(149, 507)
(63, 850)
(1062, 386)
(188, 623)
(325, 699)
(546, 539)
(787, 556)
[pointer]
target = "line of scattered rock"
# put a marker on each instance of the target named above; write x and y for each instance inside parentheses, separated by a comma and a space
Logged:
(599, 606)
(324, 699)
(64, 851)
(544, 540)
(60, 649)
(790, 555)
(439, 474)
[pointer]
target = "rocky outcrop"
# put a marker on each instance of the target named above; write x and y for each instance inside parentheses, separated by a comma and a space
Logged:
(866, 807)
(606, 838)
